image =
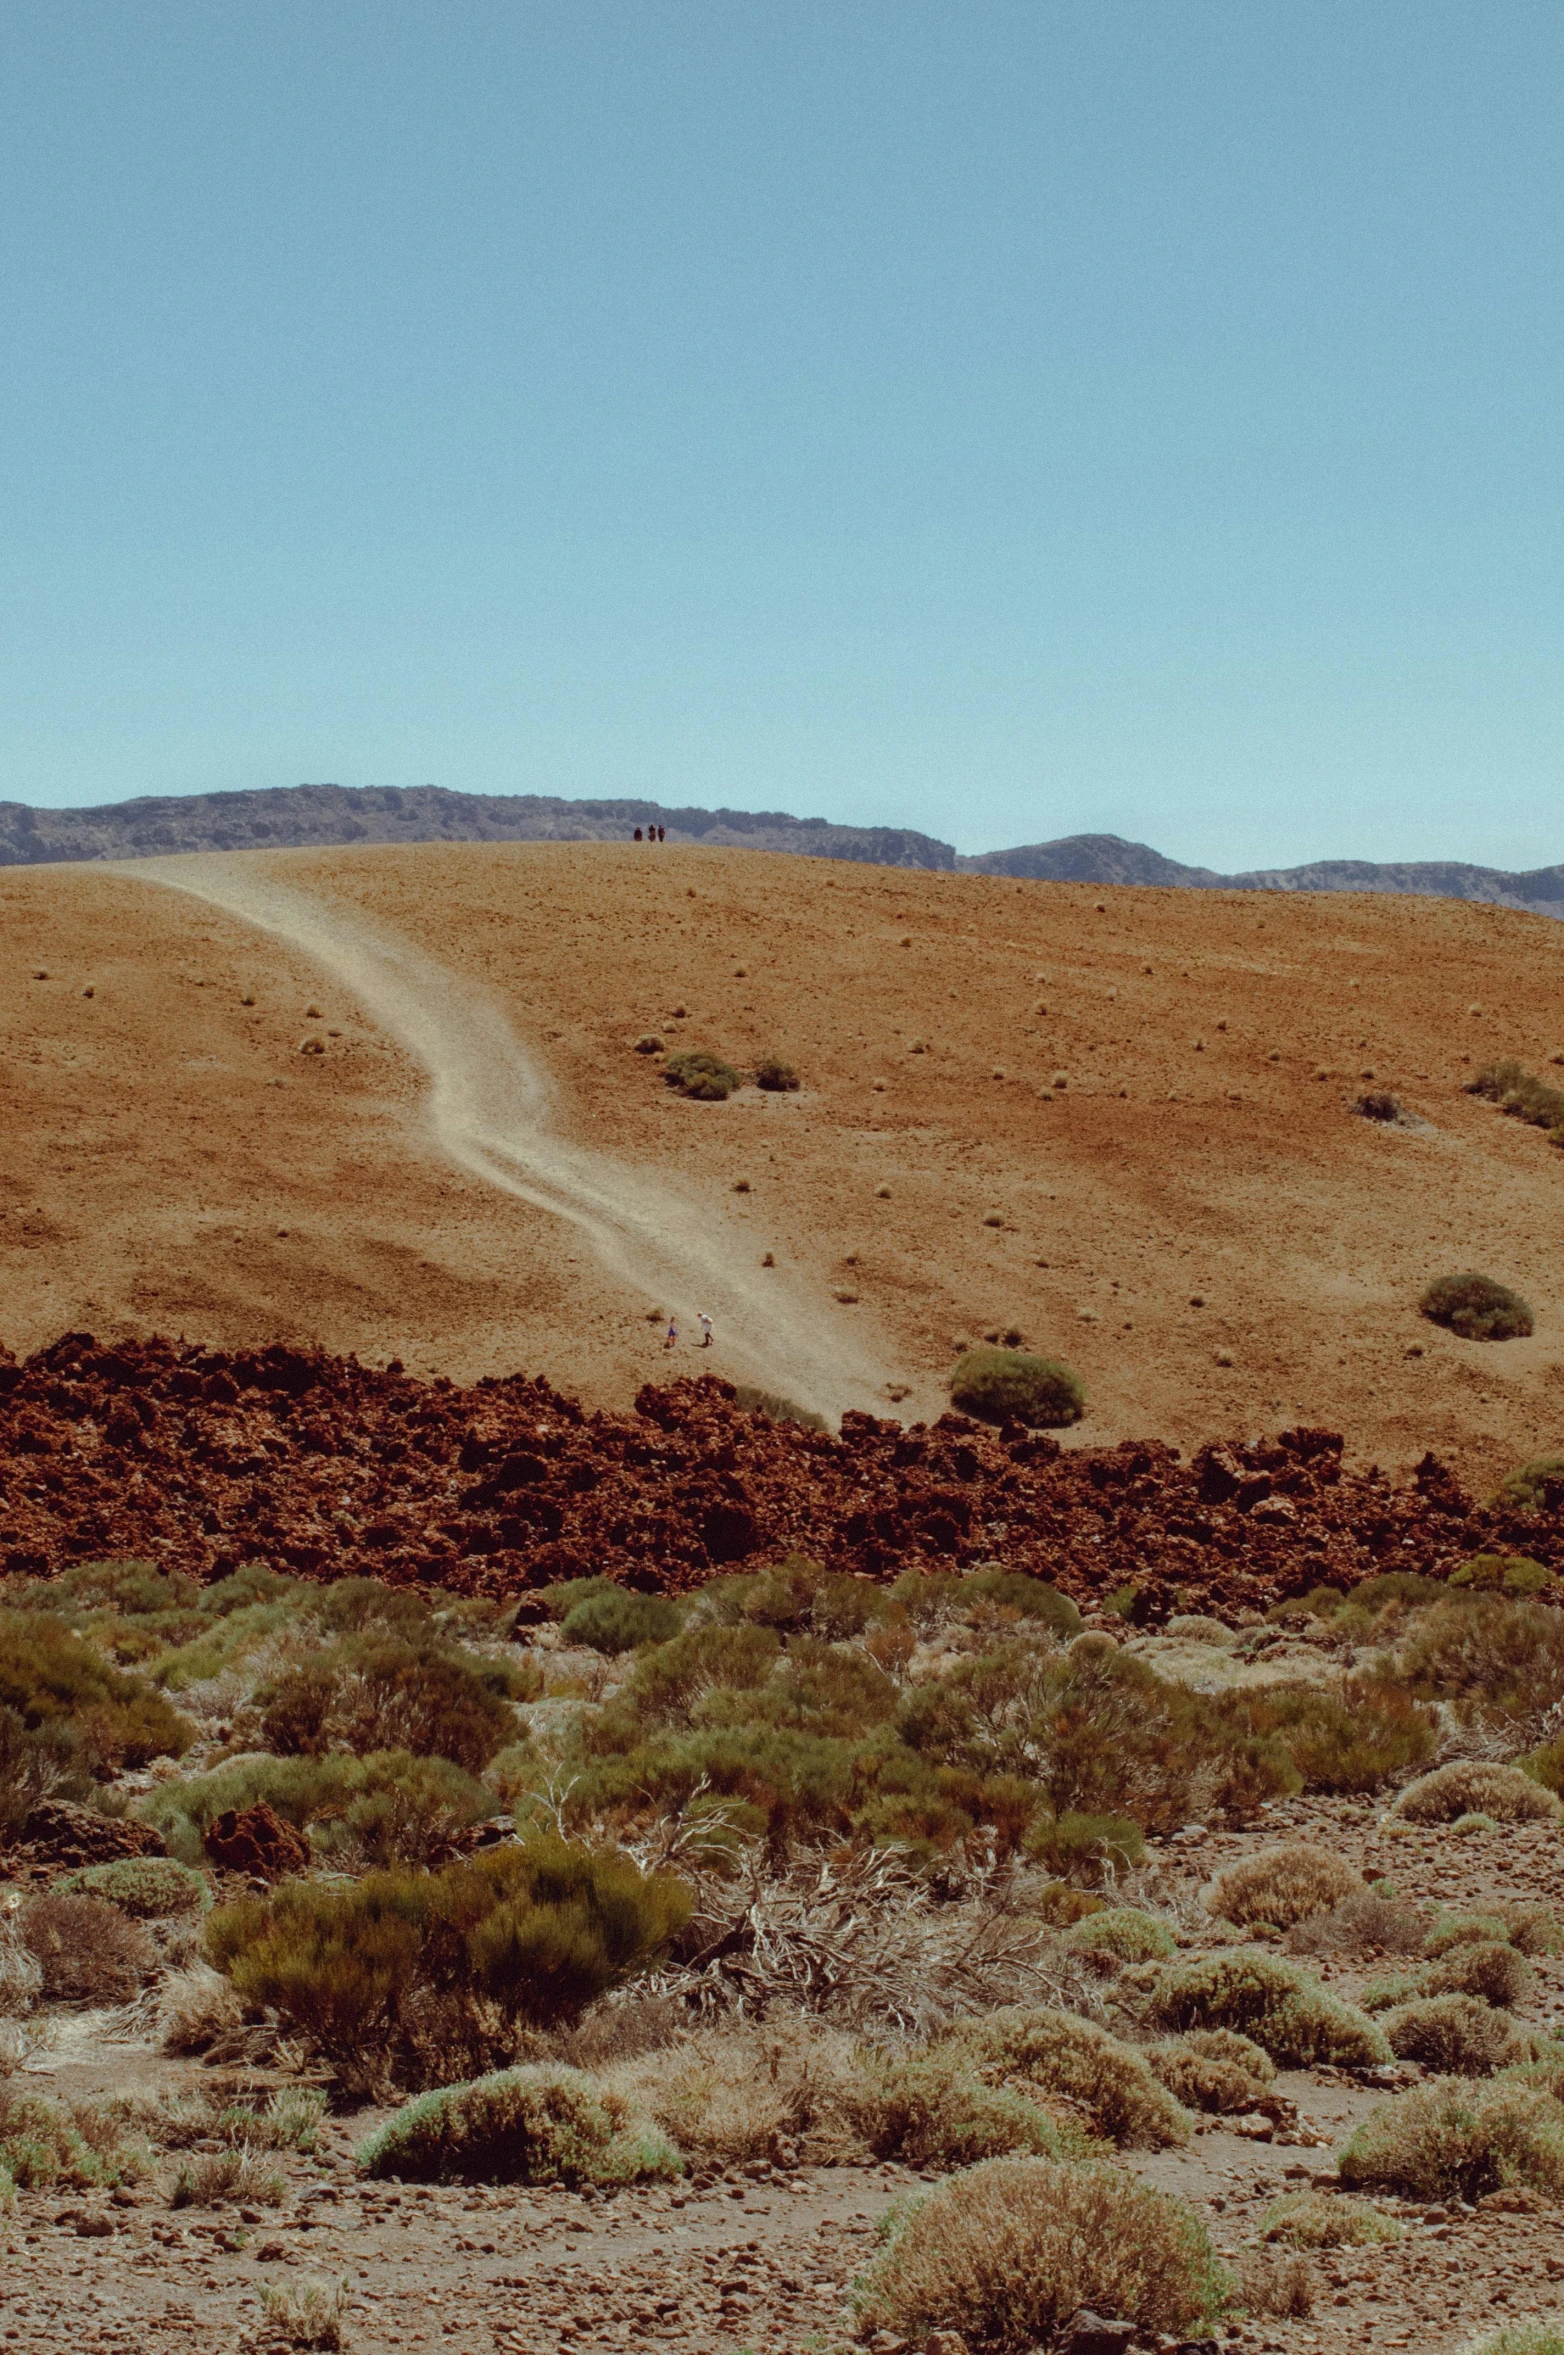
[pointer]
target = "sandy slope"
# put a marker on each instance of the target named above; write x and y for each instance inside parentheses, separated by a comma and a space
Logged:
(479, 1172)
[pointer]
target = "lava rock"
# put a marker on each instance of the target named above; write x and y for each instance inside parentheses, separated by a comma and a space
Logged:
(255, 1840)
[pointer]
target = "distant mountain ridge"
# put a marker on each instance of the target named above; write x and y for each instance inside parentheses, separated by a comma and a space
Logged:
(296, 817)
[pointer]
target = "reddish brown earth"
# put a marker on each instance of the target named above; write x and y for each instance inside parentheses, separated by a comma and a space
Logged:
(202, 1460)
(171, 1162)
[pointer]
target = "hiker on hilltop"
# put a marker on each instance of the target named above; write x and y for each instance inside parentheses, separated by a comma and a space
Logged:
(705, 1325)
(671, 1337)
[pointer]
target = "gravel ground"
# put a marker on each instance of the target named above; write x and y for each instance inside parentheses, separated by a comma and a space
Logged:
(750, 2264)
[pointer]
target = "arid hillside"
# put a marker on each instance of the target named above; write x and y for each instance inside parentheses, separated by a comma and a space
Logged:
(1118, 1123)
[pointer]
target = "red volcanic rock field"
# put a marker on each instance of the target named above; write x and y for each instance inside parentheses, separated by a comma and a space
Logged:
(201, 1460)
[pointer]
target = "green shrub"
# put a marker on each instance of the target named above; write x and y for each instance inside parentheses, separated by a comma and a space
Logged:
(1519, 1093)
(1526, 1487)
(1271, 2000)
(65, 2145)
(138, 1589)
(1456, 2036)
(1476, 1308)
(1122, 1932)
(1097, 1731)
(370, 1692)
(795, 1596)
(1545, 1765)
(668, 1684)
(152, 1888)
(1493, 1657)
(1282, 1885)
(1004, 2253)
(777, 1077)
(1492, 1972)
(1059, 2053)
(621, 1621)
(778, 1408)
(1011, 1385)
(1511, 1574)
(1327, 2220)
(1473, 1785)
(534, 1932)
(253, 1582)
(531, 2125)
(1027, 1597)
(1353, 1743)
(1539, 2337)
(50, 1677)
(1452, 2139)
(1085, 1847)
(934, 2109)
(1213, 2069)
(701, 1075)
(388, 1808)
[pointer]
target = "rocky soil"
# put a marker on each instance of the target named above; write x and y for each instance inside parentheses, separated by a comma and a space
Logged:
(203, 1459)
(760, 2262)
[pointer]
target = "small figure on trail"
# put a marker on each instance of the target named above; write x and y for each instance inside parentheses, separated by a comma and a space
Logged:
(671, 1337)
(638, 834)
(705, 1325)
(662, 833)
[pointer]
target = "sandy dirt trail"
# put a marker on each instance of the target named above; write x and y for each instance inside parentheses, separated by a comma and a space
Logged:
(489, 1106)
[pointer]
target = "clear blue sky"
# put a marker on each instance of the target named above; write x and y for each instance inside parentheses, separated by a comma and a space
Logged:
(1004, 420)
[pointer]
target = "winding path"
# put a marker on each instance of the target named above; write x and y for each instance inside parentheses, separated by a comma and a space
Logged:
(491, 1108)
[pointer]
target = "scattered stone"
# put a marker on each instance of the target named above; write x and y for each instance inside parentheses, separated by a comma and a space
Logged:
(256, 1841)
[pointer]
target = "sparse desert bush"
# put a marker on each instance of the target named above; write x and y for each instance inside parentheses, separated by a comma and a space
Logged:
(310, 2319)
(1277, 2282)
(1493, 1973)
(1458, 2139)
(934, 2109)
(1097, 1732)
(1366, 1921)
(1494, 1657)
(779, 1408)
(1014, 1592)
(1282, 1885)
(1536, 2337)
(1213, 2069)
(1526, 1487)
(1012, 1385)
(198, 2010)
(388, 1808)
(647, 1044)
(404, 1972)
(1007, 2251)
(542, 2124)
(1456, 2036)
(775, 1075)
(1267, 1998)
(1476, 1308)
(86, 1951)
(1121, 1933)
(1473, 1786)
(1351, 1741)
(62, 2145)
(53, 1679)
(1085, 1847)
(621, 1621)
(378, 1692)
(743, 2092)
(1511, 1574)
(217, 2179)
(705, 1076)
(1059, 2053)
(1327, 2220)
(1519, 1093)
(151, 1888)
(1545, 1765)
(1528, 1928)
(1379, 1104)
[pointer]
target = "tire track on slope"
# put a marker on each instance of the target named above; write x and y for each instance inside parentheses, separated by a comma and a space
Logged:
(490, 1107)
